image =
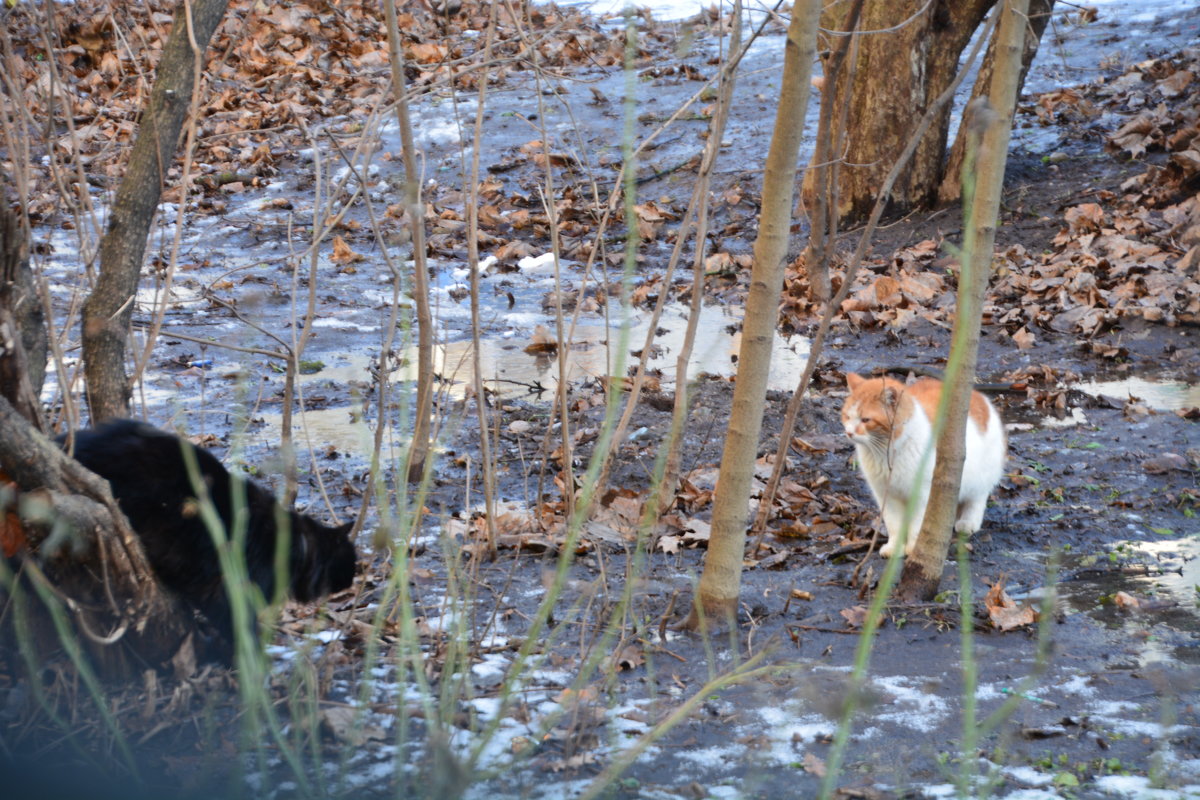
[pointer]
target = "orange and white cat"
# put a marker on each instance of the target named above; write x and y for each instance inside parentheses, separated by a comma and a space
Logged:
(891, 425)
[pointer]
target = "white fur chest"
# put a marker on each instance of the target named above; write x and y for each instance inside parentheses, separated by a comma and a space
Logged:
(891, 468)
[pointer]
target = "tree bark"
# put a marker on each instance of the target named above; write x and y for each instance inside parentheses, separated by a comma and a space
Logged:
(717, 594)
(109, 308)
(23, 339)
(823, 166)
(1039, 15)
(74, 538)
(909, 53)
(993, 125)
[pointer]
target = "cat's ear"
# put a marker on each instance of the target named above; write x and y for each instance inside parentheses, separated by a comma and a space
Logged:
(910, 379)
(854, 381)
(891, 398)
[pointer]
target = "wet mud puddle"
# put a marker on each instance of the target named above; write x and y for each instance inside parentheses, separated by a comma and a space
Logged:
(593, 351)
(1159, 394)
(1151, 590)
(1154, 393)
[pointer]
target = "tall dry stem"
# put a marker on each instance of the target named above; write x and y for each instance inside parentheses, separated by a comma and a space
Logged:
(416, 216)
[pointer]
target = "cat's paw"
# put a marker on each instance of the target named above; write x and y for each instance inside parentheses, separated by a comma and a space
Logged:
(969, 527)
(887, 550)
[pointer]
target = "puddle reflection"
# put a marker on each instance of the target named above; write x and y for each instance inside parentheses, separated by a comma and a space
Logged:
(1160, 395)
(1167, 594)
(594, 351)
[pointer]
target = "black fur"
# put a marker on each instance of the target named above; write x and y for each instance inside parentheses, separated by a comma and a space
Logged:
(151, 482)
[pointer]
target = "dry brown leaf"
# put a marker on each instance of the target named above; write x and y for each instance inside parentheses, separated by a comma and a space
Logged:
(1126, 601)
(507, 523)
(631, 657)
(1004, 612)
(348, 725)
(427, 52)
(855, 616)
(813, 764)
(1175, 84)
(697, 531)
(1164, 463)
(342, 254)
(1088, 216)
(529, 542)
(669, 544)
(542, 341)
(887, 291)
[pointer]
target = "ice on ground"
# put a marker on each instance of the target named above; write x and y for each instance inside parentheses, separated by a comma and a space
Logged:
(1135, 786)
(914, 708)
(491, 667)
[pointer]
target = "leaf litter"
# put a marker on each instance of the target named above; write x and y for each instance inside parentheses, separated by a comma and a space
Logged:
(1123, 253)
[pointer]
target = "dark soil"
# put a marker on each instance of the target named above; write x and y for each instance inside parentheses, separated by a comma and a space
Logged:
(1103, 505)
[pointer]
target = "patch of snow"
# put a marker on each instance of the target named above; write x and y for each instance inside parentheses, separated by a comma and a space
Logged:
(1076, 684)
(343, 324)
(988, 691)
(345, 172)
(713, 757)
(1077, 417)
(542, 263)
(486, 707)
(916, 709)
(1028, 775)
(281, 652)
(524, 319)
(493, 666)
(1135, 786)
(553, 677)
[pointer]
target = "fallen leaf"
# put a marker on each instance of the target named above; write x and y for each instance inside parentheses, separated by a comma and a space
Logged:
(1024, 339)
(342, 254)
(1126, 601)
(630, 658)
(1167, 462)
(347, 725)
(855, 616)
(542, 341)
(1088, 216)
(1004, 612)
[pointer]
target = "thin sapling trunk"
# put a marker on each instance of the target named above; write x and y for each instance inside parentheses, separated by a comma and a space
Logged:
(720, 582)
(993, 121)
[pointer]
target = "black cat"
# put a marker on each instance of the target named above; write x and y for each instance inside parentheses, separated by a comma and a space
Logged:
(154, 487)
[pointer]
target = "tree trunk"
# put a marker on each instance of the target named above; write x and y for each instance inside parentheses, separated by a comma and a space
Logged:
(109, 308)
(72, 537)
(908, 54)
(993, 125)
(720, 582)
(23, 339)
(822, 236)
(1039, 14)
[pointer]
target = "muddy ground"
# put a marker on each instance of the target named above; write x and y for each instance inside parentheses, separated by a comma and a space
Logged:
(1100, 499)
